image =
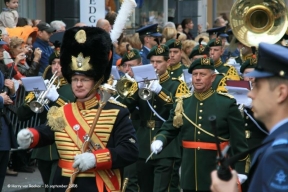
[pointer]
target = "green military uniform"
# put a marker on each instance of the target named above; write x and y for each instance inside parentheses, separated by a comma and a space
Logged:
(176, 70)
(47, 156)
(190, 116)
(227, 69)
(130, 171)
(150, 123)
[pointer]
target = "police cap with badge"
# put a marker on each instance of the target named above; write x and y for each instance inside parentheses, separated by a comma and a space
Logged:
(149, 30)
(272, 61)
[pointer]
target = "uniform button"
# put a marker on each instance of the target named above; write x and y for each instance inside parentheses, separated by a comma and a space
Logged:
(171, 73)
(83, 113)
(199, 125)
(201, 103)
(198, 148)
(199, 132)
(154, 114)
(155, 106)
(198, 139)
(247, 117)
(200, 117)
(201, 111)
(246, 124)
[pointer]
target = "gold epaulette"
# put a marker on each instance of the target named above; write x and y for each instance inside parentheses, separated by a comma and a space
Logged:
(133, 89)
(55, 119)
(117, 103)
(186, 95)
(29, 97)
(226, 94)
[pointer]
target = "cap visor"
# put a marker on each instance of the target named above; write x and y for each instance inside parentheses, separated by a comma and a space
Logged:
(3, 43)
(156, 34)
(258, 74)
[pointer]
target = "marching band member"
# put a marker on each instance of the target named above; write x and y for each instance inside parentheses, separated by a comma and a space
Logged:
(86, 64)
(190, 117)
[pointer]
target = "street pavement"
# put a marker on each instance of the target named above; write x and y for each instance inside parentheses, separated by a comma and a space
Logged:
(24, 182)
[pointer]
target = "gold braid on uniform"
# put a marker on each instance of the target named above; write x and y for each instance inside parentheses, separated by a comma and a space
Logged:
(204, 95)
(133, 89)
(222, 84)
(232, 73)
(182, 89)
(55, 119)
(29, 97)
(177, 119)
(218, 63)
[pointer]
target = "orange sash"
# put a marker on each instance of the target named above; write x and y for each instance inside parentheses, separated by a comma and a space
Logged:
(73, 118)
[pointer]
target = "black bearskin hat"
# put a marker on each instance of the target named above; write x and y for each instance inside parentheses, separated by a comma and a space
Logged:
(88, 51)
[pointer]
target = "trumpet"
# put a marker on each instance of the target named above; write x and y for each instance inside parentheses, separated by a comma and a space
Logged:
(145, 93)
(41, 102)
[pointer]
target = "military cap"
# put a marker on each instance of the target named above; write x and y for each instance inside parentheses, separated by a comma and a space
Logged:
(158, 50)
(130, 54)
(272, 61)
(215, 42)
(86, 51)
(174, 43)
(216, 30)
(202, 63)
(199, 50)
(151, 30)
(251, 62)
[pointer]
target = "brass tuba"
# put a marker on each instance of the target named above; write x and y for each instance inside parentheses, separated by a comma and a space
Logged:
(255, 21)
(41, 102)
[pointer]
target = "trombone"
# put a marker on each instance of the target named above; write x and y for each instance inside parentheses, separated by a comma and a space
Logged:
(41, 102)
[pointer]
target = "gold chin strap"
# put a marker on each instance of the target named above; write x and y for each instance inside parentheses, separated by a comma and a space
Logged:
(97, 84)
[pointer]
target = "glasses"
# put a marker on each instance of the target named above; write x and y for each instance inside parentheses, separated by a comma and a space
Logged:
(127, 65)
(75, 80)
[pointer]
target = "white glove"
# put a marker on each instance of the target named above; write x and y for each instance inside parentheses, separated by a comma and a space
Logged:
(248, 103)
(231, 61)
(156, 146)
(242, 178)
(46, 81)
(84, 161)
(24, 138)
(155, 86)
(52, 94)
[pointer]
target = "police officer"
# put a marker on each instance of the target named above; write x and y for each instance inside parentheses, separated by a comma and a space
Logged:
(147, 34)
(190, 115)
(269, 100)
(155, 175)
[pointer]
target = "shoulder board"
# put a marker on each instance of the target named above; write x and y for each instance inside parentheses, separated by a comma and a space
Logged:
(281, 140)
(226, 94)
(117, 103)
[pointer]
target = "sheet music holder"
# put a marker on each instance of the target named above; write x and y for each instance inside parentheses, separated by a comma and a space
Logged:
(144, 73)
(239, 89)
(115, 73)
(35, 83)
